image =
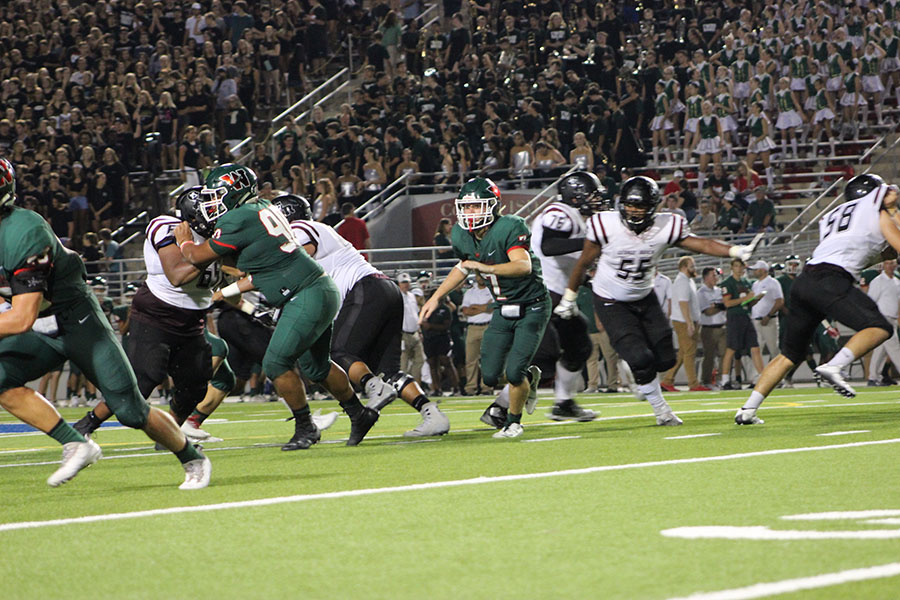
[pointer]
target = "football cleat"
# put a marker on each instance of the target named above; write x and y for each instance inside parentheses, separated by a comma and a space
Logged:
(434, 422)
(76, 456)
(512, 430)
(535, 380)
(568, 410)
(380, 393)
(196, 474)
(833, 377)
(361, 425)
(192, 432)
(668, 419)
(323, 422)
(747, 416)
(305, 435)
(494, 416)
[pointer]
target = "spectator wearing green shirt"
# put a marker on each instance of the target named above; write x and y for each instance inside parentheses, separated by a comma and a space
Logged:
(731, 217)
(740, 336)
(760, 214)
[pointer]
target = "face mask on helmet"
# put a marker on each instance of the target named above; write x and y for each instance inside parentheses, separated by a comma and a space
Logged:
(211, 206)
(187, 208)
(792, 265)
(582, 190)
(7, 183)
(477, 204)
(640, 197)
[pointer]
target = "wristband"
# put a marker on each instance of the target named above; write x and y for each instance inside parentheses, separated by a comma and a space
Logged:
(570, 296)
(231, 290)
(246, 307)
(183, 244)
(464, 270)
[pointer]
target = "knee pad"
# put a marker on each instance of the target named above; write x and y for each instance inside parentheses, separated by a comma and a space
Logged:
(642, 367)
(400, 380)
(516, 377)
(343, 359)
(665, 363)
(186, 399)
(131, 413)
(223, 379)
(489, 380)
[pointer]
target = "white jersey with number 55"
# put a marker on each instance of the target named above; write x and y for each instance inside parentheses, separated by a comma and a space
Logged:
(850, 235)
(627, 259)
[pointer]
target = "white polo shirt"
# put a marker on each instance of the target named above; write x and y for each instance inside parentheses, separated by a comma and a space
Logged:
(885, 291)
(410, 313)
(476, 295)
(684, 289)
(707, 296)
(773, 292)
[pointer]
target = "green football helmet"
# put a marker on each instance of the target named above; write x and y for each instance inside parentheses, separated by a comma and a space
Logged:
(7, 183)
(226, 187)
(478, 203)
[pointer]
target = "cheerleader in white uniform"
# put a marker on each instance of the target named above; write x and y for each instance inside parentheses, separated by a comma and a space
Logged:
(661, 124)
(740, 73)
(799, 69)
(694, 104)
(824, 115)
(852, 99)
(760, 143)
(710, 142)
(724, 107)
(835, 73)
(890, 64)
(873, 89)
(790, 115)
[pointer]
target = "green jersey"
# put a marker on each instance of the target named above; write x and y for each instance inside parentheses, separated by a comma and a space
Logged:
(890, 47)
(709, 127)
(756, 126)
(871, 64)
(799, 67)
(262, 239)
(851, 80)
(661, 105)
(834, 66)
(33, 259)
(506, 233)
(694, 107)
(786, 281)
(734, 288)
(723, 101)
(785, 100)
(741, 70)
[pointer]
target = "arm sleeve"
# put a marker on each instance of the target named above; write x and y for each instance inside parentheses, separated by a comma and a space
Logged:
(32, 274)
(557, 242)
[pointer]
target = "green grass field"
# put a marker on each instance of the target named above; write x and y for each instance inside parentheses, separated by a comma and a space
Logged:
(565, 511)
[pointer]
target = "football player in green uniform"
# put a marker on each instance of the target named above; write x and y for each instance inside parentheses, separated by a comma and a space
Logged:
(258, 236)
(497, 247)
(49, 280)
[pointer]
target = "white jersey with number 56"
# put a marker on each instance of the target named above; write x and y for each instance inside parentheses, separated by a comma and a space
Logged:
(850, 235)
(627, 259)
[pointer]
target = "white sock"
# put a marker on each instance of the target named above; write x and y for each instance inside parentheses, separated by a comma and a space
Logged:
(794, 146)
(701, 178)
(783, 147)
(502, 398)
(567, 383)
(843, 358)
(653, 393)
(770, 177)
(754, 401)
(726, 377)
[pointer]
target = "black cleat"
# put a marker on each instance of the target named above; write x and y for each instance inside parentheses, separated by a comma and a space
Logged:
(88, 424)
(494, 416)
(361, 425)
(570, 411)
(304, 437)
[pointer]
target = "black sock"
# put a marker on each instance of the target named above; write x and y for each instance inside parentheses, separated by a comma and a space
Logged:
(365, 378)
(301, 416)
(420, 402)
(352, 407)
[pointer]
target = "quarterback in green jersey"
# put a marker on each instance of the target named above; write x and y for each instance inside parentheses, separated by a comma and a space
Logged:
(257, 235)
(48, 280)
(497, 247)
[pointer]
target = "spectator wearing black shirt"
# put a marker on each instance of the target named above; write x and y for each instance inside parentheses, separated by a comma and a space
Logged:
(237, 125)
(459, 42)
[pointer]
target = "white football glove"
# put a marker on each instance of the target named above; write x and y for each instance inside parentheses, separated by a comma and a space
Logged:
(745, 252)
(567, 308)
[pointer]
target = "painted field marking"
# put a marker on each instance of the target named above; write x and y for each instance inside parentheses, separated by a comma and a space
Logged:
(426, 486)
(553, 439)
(688, 437)
(843, 515)
(833, 433)
(763, 590)
(408, 442)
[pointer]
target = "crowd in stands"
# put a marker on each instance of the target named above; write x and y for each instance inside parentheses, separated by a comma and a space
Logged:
(515, 90)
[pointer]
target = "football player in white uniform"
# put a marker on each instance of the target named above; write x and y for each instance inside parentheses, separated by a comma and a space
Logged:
(369, 327)
(557, 237)
(629, 244)
(852, 236)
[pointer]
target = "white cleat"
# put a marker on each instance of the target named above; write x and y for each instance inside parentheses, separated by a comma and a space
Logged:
(76, 456)
(196, 474)
(747, 416)
(380, 393)
(833, 377)
(323, 422)
(512, 430)
(434, 422)
(668, 419)
(192, 433)
(531, 402)
(627, 378)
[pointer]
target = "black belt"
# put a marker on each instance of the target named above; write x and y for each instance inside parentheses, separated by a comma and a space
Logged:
(715, 326)
(410, 332)
(479, 324)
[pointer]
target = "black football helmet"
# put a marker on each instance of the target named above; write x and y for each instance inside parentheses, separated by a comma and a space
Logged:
(641, 195)
(187, 208)
(862, 185)
(582, 190)
(293, 207)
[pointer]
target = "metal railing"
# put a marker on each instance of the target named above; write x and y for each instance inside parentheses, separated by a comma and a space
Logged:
(530, 209)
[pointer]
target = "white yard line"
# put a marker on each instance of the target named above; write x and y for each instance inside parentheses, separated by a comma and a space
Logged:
(833, 433)
(764, 590)
(689, 437)
(426, 486)
(553, 439)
